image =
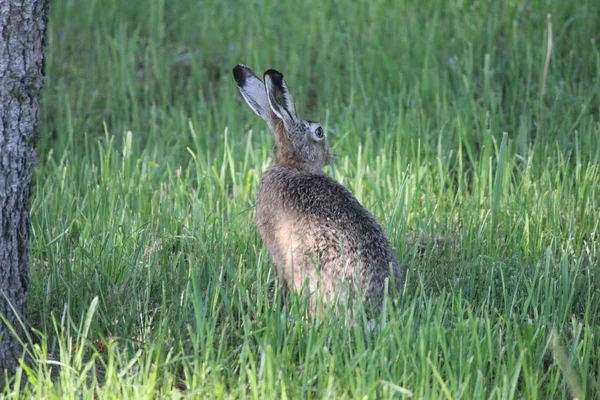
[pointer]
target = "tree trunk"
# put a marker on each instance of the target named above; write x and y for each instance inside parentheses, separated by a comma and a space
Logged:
(22, 38)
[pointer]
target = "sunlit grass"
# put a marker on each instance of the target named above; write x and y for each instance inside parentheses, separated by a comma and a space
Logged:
(149, 280)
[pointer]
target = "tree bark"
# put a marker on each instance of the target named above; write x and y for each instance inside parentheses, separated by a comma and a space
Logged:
(22, 40)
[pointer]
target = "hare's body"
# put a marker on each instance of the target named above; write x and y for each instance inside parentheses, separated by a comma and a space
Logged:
(318, 234)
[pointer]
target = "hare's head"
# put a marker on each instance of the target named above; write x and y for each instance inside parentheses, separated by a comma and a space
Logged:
(299, 143)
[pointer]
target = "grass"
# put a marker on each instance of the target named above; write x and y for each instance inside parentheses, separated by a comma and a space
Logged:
(149, 280)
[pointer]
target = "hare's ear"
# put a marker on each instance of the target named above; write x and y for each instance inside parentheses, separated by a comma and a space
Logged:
(253, 91)
(279, 96)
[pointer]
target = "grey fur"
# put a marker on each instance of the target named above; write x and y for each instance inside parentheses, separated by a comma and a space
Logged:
(316, 231)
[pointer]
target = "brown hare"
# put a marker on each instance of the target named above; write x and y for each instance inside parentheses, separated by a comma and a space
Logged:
(317, 233)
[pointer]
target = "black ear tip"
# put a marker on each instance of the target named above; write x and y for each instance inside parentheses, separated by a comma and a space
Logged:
(273, 73)
(239, 74)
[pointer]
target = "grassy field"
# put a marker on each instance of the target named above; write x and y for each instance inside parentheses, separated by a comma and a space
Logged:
(453, 124)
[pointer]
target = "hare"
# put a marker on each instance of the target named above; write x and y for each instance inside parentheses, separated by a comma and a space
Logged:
(315, 230)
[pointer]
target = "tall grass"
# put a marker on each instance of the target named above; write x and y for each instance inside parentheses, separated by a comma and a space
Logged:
(148, 278)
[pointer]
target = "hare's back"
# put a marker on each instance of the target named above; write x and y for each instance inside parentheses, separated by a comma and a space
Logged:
(305, 193)
(325, 206)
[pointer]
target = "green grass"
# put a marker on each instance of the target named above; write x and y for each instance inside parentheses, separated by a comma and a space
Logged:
(149, 280)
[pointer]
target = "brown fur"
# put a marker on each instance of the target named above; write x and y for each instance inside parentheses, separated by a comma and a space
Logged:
(281, 151)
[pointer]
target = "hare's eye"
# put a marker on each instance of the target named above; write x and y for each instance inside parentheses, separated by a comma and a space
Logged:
(319, 132)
